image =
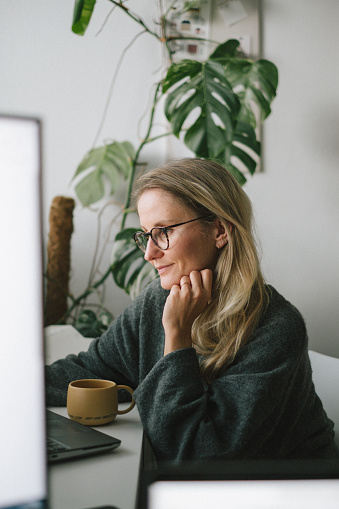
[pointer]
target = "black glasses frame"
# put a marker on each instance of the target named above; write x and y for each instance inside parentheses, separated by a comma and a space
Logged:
(164, 229)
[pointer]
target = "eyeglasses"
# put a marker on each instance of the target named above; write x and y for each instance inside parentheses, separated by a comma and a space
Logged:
(159, 235)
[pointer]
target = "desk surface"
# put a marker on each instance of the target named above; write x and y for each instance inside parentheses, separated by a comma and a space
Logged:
(109, 478)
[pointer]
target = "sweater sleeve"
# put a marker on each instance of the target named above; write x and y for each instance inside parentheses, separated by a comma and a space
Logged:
(125, 353)
(90, 364)
(262, 406)
(114, 356)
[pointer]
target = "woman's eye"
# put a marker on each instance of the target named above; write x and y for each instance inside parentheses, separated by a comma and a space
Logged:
(162, 233)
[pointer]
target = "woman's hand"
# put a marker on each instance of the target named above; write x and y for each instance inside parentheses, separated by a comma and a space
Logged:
(184, 304)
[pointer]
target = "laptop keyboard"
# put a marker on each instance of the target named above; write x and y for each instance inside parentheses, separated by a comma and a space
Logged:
(55, 446)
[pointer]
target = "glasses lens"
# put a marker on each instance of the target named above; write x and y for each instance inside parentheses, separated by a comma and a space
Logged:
(140, 240)
(160, 238)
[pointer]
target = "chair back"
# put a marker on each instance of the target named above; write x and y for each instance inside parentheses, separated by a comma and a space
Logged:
(326, 380)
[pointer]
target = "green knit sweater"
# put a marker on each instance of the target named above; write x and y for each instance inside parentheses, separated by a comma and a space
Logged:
(263, 406)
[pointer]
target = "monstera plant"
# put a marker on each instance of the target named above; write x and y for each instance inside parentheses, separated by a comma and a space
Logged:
(213, 106)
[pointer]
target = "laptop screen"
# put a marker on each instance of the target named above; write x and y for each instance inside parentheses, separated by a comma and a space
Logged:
(22, 423)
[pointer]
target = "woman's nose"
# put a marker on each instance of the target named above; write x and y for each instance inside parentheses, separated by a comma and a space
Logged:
(152, 251)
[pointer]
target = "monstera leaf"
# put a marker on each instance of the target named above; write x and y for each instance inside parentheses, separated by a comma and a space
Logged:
(109, 162)
(256, 84)
(200, 88)
(130, 270)
(216, 103)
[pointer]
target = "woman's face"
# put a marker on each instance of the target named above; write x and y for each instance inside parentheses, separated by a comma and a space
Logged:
(191, 247)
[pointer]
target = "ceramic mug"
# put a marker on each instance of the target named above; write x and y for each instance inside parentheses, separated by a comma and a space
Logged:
(94, 402)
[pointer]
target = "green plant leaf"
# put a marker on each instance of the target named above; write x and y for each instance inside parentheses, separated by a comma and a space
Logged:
(236, 174)
(83, 10)
(217, 103)
(200, 89)
(90, 325)
(225, 51)
(143, 277)
(130, 270)
(109, 163)
(255, 84)
(241, 152)
(252, 81)
(91, 188)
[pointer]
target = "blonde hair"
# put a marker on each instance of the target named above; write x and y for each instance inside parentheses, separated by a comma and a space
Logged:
(239, 294)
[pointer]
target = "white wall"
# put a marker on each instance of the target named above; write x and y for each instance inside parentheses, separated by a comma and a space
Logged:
(64, 79)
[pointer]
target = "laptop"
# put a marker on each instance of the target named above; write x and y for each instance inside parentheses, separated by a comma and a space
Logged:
(283, 484)
(67, 439)
(23, 461)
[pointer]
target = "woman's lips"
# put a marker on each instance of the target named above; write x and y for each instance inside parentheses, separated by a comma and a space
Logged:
(162, 269)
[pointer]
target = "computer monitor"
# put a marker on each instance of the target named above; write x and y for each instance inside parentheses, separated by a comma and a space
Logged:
(22, 421)
(284, 484)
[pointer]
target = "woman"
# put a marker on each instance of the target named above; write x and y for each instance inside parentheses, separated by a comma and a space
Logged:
(217, 358)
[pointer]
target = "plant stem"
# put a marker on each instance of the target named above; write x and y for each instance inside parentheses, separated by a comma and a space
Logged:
(87, 292)
(110, 93)
(150, 140)
(95, 261)
(135, 18)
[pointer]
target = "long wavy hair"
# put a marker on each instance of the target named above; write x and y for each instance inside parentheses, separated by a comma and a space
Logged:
(239, 293)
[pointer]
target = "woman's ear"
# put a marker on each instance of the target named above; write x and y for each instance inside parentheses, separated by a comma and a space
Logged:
(222, 236)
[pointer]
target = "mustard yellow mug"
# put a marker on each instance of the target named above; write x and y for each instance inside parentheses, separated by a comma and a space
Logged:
(94, 402)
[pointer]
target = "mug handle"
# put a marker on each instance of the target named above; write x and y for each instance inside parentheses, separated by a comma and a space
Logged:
(128, 389)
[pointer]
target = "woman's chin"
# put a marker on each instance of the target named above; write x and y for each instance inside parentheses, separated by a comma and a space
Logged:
(165, 285)
(167, 282)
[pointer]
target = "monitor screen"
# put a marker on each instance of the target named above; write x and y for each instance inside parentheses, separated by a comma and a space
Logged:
(241, 484)
(241, 494)
(22, 423)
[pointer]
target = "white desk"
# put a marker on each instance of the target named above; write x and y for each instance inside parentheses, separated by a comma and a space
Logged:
(104, 479)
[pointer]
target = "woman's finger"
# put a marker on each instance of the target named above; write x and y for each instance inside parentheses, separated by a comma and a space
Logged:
(207, 279)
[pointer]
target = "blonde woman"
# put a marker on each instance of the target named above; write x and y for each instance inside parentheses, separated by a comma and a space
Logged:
(217, 358)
